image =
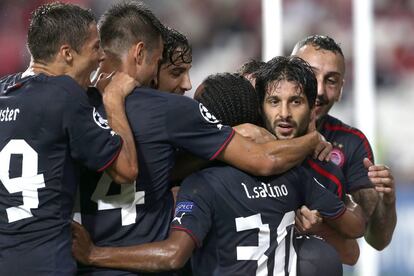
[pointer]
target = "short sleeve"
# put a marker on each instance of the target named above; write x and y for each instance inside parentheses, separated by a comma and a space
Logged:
(92, 142)
(193, 128)
(194, 208)
(317, 197)
(355, 172)
(329, 174)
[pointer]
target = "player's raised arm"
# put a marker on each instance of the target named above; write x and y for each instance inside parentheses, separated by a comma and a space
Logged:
(125, 168)
(384, 216)
(270, 158)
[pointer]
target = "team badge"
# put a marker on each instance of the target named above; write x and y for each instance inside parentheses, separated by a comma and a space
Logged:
(337, 157)
(99, 120)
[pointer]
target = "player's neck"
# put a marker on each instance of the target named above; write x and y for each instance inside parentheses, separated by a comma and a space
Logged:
(43, 68)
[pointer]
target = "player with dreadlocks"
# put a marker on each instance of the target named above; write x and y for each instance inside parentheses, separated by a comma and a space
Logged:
(219, 209)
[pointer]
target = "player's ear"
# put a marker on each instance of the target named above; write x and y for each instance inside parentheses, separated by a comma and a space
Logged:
(138, 52)
(65, 52)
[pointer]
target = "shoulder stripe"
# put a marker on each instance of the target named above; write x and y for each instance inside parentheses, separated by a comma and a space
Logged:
(352, 131)
(327, 174)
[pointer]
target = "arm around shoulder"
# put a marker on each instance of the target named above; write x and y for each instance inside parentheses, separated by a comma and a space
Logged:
(125, 168)
(270, 158)
(170, 254)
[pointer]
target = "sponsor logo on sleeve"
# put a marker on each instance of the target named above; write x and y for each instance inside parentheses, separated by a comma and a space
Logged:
(208, 116)
(99, 120)
(182, 208)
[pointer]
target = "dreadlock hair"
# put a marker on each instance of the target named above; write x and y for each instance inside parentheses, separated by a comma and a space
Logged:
(250, 67)
(55, 24)
(231, 98)
(126, 23)
(291, 69)
(322, 42)
(176, 43)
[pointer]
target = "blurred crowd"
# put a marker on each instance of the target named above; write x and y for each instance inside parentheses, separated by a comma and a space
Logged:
(224, 34)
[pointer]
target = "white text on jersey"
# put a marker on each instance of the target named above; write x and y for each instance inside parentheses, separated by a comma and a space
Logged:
(8, 114)
(265, 190)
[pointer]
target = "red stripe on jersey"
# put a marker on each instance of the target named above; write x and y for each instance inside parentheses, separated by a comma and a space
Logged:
(223, 146)
(327, 174)
(113, 159)
(192, 236)
(355, 132)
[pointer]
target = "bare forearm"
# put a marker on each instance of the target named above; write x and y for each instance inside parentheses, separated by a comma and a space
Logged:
(270, 158)
(153, 257)
(125, 168)
(381, 225)
(367, 199)
(290, 153)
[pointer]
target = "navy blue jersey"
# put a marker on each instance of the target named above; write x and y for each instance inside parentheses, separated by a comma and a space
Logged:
(328, 175)
(243, 225)
(161, 123)
(350, 148)
(47, 129)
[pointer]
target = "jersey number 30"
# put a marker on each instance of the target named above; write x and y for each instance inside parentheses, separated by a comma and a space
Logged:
(27, 184)
(257, 253)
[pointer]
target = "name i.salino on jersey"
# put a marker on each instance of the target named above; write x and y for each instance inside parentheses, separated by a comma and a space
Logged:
(265, 190)
(9, 114)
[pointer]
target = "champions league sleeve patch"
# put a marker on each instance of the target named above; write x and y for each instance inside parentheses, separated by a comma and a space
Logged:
(208, 116)
(99, 120)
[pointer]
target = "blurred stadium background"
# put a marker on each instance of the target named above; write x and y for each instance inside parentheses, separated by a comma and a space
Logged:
(226, 33)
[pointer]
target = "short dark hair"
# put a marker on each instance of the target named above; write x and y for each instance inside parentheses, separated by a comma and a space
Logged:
(291, 69)
(172, 41)
(319, 42)
(127, 23)
(231, 98)
(55, 24)
(250, 67)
